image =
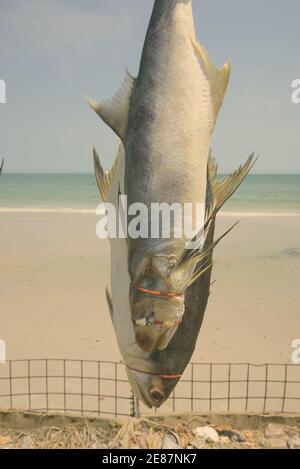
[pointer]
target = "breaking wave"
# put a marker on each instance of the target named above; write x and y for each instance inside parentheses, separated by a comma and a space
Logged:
(92, 211)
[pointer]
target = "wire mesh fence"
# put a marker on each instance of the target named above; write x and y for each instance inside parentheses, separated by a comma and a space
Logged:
(100, 388)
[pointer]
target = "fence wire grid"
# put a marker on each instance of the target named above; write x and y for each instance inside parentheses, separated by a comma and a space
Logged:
(100, 388)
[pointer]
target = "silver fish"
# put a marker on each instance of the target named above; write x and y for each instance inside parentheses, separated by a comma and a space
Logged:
(165, 118)
(154, 375)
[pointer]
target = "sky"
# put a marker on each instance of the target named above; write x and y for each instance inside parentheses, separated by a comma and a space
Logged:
(55, 52)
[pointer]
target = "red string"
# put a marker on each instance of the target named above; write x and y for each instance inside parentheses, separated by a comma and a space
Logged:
(157, 293)
(155, 374)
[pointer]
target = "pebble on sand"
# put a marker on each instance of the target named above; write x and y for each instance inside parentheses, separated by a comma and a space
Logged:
(294, 442)
(207, 433)
(273, 430)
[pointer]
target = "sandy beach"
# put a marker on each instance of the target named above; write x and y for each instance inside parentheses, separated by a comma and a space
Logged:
(53, 271)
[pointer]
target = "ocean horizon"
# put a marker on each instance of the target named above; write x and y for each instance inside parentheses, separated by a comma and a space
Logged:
(259, 195)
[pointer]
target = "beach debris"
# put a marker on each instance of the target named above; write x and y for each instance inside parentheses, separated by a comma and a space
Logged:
(198, 443)
(207, 433)
(262, 442)
(124, 436)
(223, 428)
(144, 434)
(224, 439)
(278, 442)
(274, 430)
(5, 440)
(231, 434)
(26, 442)
(183, 434)
(170, 442)
(276, 436)
(154, 439)
(84, 436)
(294, 442)
(141, 439)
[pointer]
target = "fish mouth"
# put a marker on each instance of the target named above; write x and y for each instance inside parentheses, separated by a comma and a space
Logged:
(138, 388)
(144, 397)
(157, 395)
(147, 388)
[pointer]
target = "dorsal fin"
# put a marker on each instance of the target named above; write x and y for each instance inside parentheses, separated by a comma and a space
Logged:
(222, 190)
(114, 112)
(218, 78)
(105, 178)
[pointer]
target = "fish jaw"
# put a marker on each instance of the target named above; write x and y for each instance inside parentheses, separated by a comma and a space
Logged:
(152, 389)
(139, 387)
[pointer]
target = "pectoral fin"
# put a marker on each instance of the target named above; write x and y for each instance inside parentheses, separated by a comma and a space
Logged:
(200, 258)
(220, 191)
(114, 112)
(218, 78)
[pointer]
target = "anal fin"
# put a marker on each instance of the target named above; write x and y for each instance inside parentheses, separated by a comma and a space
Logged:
(105, 178)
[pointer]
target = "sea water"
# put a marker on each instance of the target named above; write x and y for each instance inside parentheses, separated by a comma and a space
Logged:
(260, 194)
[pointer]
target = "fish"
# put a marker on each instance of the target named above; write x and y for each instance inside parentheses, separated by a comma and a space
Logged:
(160, 287)
(153, 375)
(165, 118)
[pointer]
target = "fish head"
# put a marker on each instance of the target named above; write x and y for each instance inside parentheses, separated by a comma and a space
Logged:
(151, 388)
(156, 308)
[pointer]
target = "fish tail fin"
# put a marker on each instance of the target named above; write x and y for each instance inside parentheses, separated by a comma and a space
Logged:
(218, 78)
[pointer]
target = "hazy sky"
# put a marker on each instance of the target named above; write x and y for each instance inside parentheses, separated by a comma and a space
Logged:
(53, 52)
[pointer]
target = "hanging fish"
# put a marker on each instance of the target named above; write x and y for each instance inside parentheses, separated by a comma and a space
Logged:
(165, 118)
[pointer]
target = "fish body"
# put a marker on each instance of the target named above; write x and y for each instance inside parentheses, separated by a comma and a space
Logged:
(165, 118)
(153, 375)
(167, 144)
(170, 117)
